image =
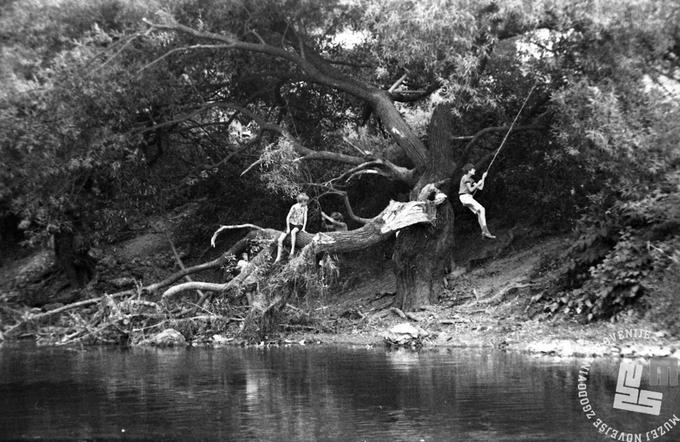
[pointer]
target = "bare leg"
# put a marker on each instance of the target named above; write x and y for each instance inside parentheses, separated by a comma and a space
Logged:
(481, 218)
(293, 233)
(279, 252)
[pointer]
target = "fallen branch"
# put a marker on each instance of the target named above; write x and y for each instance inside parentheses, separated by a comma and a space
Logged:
(237, 226)
(397, 311)
(67, 307)
(247, 270)
(179, 260)
(195, 285)
(216, 263)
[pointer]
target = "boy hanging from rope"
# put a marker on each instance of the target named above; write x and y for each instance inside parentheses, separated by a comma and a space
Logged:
(467, 188)
(296, 221)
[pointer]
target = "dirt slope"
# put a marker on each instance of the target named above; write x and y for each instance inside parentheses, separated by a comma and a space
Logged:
(489, 306)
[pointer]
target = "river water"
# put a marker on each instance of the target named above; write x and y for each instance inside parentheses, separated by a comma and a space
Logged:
(295, 393)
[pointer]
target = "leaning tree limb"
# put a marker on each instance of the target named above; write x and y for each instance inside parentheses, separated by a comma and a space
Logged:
(321, 72)
(216, 263)
(382, 167)
(396, 216)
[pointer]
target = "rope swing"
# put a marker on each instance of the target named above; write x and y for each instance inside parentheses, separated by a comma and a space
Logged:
(510, 129)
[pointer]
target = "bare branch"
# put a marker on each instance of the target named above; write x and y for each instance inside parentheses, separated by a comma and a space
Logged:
(397, 83)
(361, 151)
(195, 285)
(348, 206)
(368, 172)
(249, 168)
(390, 170)
(238, 226)
(232, 42)
(254, 32)
(183, 48)
(40, 316)
(179, 260)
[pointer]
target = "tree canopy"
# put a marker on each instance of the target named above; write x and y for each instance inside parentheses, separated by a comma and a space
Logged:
(112, 110)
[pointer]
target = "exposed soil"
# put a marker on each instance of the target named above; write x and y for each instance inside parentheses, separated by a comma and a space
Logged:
(487, 302)
(489, 306)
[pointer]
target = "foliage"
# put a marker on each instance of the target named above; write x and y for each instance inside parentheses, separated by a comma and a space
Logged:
(103, 124)
(280, 167)
(618, 260)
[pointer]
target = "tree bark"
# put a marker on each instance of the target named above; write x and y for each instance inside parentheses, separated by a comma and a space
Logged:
(422, 254)
(71, 256)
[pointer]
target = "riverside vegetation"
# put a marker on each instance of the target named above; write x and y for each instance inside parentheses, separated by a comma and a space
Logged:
(131, 130)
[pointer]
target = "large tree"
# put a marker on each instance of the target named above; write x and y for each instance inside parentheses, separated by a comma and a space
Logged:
(317, 96)
(280, 52)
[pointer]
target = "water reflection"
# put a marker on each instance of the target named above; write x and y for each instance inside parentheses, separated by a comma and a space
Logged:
(289, 394)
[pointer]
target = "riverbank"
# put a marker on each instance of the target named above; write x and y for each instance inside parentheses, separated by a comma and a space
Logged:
(559, 339)
(491, 304)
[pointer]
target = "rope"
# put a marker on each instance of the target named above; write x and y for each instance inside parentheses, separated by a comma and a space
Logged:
(526, 100)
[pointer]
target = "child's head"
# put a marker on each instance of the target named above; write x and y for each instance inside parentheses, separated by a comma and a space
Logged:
(469, 167)
(244, 256)
(302, 198)
(337, 216)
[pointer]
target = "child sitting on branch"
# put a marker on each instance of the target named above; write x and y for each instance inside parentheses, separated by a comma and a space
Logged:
(467, 188)
(296, 221)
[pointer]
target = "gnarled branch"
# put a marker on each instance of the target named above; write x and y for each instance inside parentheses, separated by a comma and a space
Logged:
(321, 72)
(348, 206)
(382, 167)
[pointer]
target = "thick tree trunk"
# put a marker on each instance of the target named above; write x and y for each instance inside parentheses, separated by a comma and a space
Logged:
(422, 254)
(71, 255)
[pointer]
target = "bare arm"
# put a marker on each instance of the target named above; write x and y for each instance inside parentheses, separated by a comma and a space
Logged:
(290, 212)
(478, 185)
(304, 221)
(330, 220)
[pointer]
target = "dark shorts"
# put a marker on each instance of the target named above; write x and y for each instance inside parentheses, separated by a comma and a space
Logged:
(295, 226)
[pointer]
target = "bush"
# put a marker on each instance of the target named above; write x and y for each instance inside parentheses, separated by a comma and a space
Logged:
(621, 258)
